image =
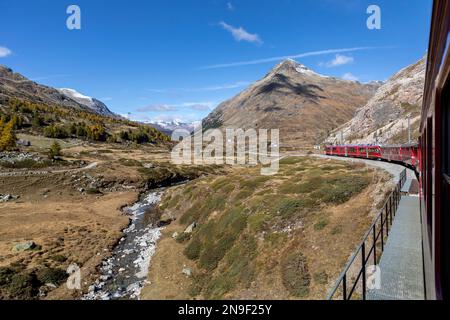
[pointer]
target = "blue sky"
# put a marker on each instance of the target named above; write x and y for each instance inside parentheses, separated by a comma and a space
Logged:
(177, 59)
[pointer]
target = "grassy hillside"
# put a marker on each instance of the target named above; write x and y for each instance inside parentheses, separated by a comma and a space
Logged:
(65, 122)
(281, 237)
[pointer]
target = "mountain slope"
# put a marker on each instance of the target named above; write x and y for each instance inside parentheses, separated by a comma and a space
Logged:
(14, 85)
(304, 105)
(384, 118)
(95, 105)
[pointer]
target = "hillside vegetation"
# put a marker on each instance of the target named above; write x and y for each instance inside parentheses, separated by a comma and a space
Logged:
(281, 237)
(65, 122)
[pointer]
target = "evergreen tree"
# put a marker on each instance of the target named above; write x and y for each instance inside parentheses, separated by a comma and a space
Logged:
(55, 151)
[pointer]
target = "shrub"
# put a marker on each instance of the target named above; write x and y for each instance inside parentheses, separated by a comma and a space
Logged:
(23, 286)
(50, 275)
(253, 183)
(192, 214)
(321, 277)
(55, 150)
(321, 224)
(6, 274)
(295, 274)
(26, 164)
(58, 258)
(214, 252)
(291, 160)
(244, 194)
(93, 191)
(192, 251)
(336, 230)
(183, 237)
(341, 189)
(289, 207)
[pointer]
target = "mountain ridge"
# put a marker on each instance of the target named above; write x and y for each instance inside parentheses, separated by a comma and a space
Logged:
(15, 85)
(303, 104)
(384, 119)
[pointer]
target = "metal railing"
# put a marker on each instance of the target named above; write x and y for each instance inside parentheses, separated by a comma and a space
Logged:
(354, 276)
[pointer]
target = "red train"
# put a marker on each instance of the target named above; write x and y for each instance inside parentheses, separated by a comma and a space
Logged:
(405, 154)
(430, 158)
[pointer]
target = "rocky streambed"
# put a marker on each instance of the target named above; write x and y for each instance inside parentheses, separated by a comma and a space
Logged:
(124, 274)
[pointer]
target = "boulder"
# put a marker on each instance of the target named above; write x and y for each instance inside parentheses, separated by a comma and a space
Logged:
(29, 245)
(7, 197)
(187, 271)
(165, 219)
(191, 228)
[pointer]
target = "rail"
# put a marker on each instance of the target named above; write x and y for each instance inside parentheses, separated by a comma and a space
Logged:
(354, 276)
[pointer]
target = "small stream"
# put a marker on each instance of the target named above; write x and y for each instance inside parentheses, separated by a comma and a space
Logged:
(124, 274)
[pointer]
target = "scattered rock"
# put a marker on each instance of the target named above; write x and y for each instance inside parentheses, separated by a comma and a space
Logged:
(29, 245)
(191, 228)
(165, 219)
(7, 197)
(175, 235)
(51, 285)
(187, 271)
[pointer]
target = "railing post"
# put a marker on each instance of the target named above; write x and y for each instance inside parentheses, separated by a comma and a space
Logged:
(391, 215)
(344, 287)
(382, 233)
(363, 252)
(387, 220)
(374, 231)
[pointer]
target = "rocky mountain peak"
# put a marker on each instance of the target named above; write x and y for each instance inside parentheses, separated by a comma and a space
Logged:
(385, 118)
(290, 67)
(303, 104)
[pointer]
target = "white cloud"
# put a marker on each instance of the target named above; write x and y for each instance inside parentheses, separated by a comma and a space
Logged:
(219, 87)
(200, 106)
(234, 85)
(157, 108)
(350, 77)
(296, 56)
(196, 106)
(4, 52)
(230, 6)
(240, 34)
(339, 60)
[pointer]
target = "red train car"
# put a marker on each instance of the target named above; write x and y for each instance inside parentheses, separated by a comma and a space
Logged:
(435, 156)
(360, 151)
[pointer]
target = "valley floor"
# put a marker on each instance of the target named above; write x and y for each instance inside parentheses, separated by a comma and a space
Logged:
(280, 237)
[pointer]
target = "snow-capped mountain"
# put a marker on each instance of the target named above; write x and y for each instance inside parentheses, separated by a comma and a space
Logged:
(170, 126)
(303, 104)
(95, 105)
